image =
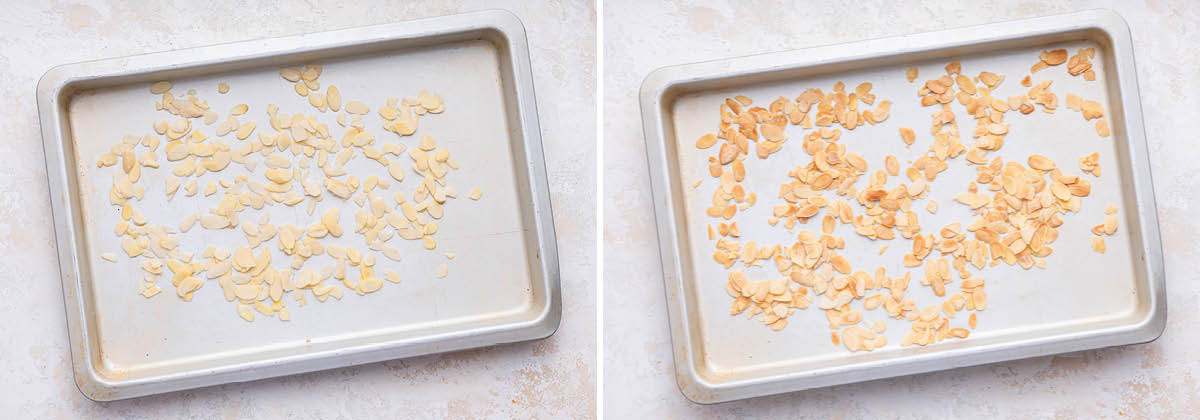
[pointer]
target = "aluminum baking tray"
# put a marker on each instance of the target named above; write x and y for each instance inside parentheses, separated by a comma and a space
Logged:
(502, 287)
(1082, 300)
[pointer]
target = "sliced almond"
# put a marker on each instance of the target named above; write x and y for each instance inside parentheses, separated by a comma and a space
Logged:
(1054, 57)
(161, 87)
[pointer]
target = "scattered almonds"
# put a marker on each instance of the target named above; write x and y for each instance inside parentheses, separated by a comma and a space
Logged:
(1016, 206)
(288, 148)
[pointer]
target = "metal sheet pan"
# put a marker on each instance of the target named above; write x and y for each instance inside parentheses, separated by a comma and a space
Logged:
(1082, 300)
(502, 287)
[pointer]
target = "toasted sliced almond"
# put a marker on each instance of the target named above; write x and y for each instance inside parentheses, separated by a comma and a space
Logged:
(1054, 57)
(1040, 163)
(907, 135)
(1102, 127)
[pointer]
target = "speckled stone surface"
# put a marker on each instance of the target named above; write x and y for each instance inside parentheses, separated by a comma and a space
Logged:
(551, 378)
(1157, 380)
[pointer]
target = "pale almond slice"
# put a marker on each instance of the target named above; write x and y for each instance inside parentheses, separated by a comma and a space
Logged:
(245, 311)
(244, 130)
(150, 290)
(397, 172)
(356, 107)
(160, 87)
(290, 74)
(333, 97)
(1110, 224)
(317, 100)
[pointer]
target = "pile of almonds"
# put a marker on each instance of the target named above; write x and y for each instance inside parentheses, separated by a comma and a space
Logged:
(1016, 205)
(296, 142)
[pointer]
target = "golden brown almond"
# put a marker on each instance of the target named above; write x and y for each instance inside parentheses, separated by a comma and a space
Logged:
(907, 135)
(1040, 163)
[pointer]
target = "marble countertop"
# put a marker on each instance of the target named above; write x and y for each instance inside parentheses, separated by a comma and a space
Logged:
(1139, 381)
(552, 378)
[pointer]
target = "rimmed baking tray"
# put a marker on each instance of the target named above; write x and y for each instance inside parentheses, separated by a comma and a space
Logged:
(503, 285)
(1082, 300)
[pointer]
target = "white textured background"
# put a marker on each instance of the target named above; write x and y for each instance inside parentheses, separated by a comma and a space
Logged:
(1156, 380)
(553, 378)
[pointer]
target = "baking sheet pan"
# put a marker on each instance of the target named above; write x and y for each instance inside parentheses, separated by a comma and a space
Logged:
(1081, 300)
(502, 285)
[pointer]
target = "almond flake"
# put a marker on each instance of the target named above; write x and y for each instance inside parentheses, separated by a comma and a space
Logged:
(1054, 57)
(1102, 127)
(356, 107)
(907, 135)
(161, 87)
